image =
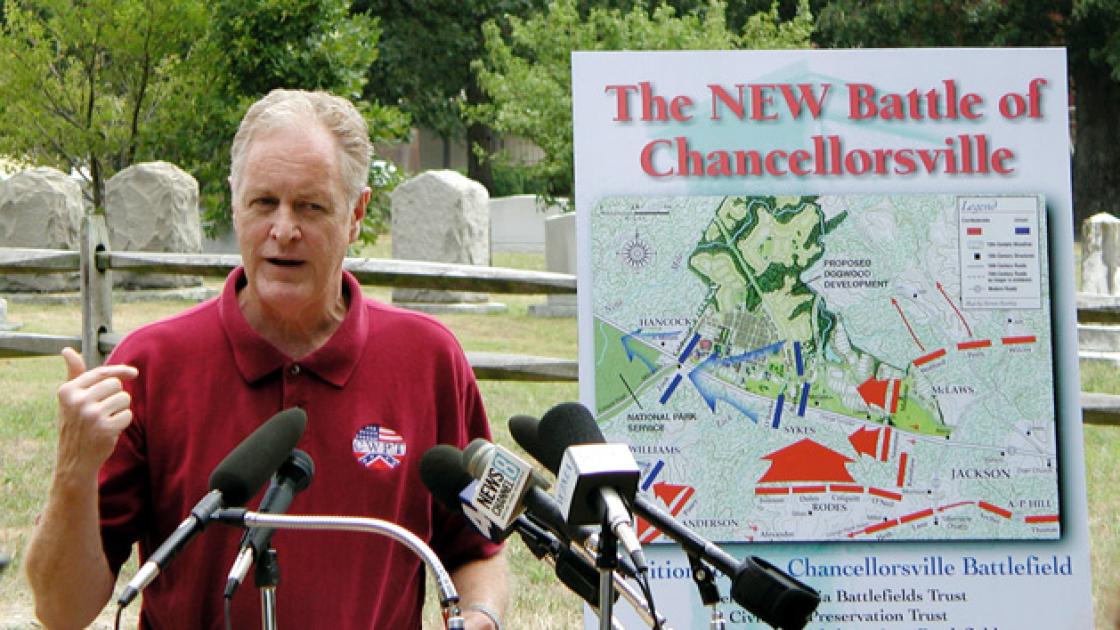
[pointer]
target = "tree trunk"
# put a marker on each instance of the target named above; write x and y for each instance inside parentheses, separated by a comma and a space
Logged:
(479, 136)
(1096, 180)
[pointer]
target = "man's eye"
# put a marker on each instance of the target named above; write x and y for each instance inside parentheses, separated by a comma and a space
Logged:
(265, 202)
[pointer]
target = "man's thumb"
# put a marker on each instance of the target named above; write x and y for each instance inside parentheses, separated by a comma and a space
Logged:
(74, 363)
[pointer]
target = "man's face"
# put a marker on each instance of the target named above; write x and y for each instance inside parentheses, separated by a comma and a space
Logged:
(293, 221)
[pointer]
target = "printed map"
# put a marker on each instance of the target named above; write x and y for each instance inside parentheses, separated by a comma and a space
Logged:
(831, 368)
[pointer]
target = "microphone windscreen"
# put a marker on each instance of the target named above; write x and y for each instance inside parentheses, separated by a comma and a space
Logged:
(249, 465)
(441, 470)
(562, 426)
(524, 431)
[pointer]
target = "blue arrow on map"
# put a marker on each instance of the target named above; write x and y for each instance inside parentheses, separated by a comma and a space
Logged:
(627, 340)
(751, 355)
(712, 394)
(713, 361)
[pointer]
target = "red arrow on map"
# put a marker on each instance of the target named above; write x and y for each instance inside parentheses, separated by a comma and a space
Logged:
(874, 391)
(957, 310)
(675, 497)
(865, 441)
(669, 492)
(905, 321)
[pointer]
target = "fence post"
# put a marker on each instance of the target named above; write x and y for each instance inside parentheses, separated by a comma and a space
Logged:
(97, 289)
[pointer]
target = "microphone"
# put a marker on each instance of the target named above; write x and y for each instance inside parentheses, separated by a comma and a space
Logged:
(233, 482)
(442, 471)
(504, 479)
(524, 431)
(293, 477)
(480, 460)
(594, 480)
(759, 587)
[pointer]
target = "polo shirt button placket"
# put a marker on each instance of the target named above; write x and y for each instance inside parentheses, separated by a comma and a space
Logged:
(294, 394)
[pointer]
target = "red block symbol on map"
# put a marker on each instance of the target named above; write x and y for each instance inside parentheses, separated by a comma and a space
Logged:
(674, 497)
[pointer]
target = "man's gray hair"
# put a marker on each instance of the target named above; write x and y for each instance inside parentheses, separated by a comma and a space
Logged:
(296, 108)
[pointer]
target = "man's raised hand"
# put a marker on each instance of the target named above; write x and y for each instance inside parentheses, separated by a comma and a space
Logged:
(93, 409)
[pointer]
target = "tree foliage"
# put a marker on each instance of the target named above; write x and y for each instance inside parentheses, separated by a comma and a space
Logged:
(82, 82)
(252, 48)
(527, 72)
(424, 64)
(1089, 29)
(94, 86)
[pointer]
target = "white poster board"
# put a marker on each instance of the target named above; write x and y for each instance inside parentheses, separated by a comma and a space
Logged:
(827, 298)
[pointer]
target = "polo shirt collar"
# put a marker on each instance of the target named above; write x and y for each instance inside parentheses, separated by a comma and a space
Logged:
(256, 358)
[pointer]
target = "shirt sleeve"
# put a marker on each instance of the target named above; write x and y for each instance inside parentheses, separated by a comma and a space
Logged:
(454, 540)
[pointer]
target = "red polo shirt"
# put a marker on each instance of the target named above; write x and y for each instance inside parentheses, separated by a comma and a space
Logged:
(388, 385)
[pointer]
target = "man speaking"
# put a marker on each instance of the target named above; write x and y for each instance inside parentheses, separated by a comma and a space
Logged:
(139, 435)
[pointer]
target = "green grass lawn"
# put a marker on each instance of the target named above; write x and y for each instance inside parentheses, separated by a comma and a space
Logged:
(27, 436)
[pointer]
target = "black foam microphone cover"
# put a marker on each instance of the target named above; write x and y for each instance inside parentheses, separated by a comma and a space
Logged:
(441, 470)
(248, 466)
(524, 431)
(564, 425)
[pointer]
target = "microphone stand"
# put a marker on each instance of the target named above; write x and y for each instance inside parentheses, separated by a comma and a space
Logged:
(449, 598)
(607, 562)
(267, 577)
(705, 580)
(636, 599)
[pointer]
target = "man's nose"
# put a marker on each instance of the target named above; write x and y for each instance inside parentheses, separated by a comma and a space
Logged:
(285, 225)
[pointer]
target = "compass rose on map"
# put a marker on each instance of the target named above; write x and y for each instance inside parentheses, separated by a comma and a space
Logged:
(636, 252)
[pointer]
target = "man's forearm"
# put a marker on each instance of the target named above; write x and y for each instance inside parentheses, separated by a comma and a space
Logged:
(65, 562)
(483, 584)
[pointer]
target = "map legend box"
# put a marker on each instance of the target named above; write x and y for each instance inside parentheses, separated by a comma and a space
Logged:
(999, 251)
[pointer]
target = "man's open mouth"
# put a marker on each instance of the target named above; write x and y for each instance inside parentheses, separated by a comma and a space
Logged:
(284, 262)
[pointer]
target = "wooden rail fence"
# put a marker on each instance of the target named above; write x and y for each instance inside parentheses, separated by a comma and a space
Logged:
(95, 261)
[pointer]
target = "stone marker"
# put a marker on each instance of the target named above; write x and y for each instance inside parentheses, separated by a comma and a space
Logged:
(40, 208)
(517, 222)
(153, 207)
(1100, 255)
(441, 216)
(6, 325)
(559, 256)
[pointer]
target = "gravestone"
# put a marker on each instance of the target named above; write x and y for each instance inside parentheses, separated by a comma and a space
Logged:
(40, 208)
(6, 325)
(441, 216)
(1100, 278)
(559, 256)
(153, 207)
(1100, 255)
(517, 222)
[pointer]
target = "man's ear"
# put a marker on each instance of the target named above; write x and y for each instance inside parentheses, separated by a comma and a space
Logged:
(358, 212)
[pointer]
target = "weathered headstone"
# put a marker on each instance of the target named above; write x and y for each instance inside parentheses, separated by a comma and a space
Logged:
(1100, 279)
(1100, 255)
(153, 207)
(517, 222)
(6, 325)
(40, 208)
(559, 256)
(441, 216)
